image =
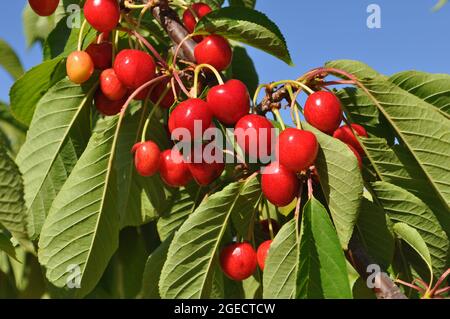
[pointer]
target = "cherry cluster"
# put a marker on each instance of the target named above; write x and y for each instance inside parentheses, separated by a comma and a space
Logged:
(134, 74)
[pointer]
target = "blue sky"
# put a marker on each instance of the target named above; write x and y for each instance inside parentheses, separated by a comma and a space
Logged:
(411, 36)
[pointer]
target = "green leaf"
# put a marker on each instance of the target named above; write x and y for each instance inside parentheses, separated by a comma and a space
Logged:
(9, 60)
(357, 68)
(432, 88)
(243, 69)
(415, 240)
(6, 246)
(58, 133)
(403, 207)
(247, 26)
(322, 270)
(12, 205)
(341, 182)
(281, 268)
(374, 233)
(13, 132)
(191, 261)
(82, 228)
(153, 268)
(439, 5)
(36, 28)
(30, 88)
(243, 3)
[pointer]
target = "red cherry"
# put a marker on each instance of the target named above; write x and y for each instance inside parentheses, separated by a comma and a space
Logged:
(101, 54)
(79, 67)
(147, 157)
(214, 50)
(44, 8)
(261, 253)
(106, 106)
(265, 226)
(279, 185)
(134, 68)
(190, 113)
(204, 170)
(323, 111)
(255, 135)
(345, 134)
(358, 157)
(110, 85)
(102, 15)
(238, 261)
(190, 21)
(168, 100)
(229, 102)
(173, 169)
(297, 149)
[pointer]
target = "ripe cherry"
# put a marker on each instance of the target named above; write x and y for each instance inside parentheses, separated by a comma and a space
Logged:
(107, 107)
(323, 111)
(358, 157)
(238, 261)
(102, 15)
(297, 149)
(188, 114)
(261, 253)
(79, 67)
(134, 68)
(266, 228)
(279, 185)
(190, 20)
(214, 50)
(229, 102)
(110, 85)
(255, 135)
(345, 134)
(101, 54)
(147, 157)
(44, 8)
(204, 167)
(164, 87)
(173, 169)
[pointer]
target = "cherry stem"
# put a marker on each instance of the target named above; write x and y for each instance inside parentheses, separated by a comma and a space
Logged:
(174, 91)
(197, 71)
(80, 35)
(294, 105)
(115, 45)
(255, 96)
(442, 291)
(310, 187)
(155, 107)
(299, 202)
(404, 283)
(143, 11)
(293, 82)
(180, 83)
(277, 114)
(440, 281)
(269, 220)
(129, 5)
(151, 48)
(177, 50)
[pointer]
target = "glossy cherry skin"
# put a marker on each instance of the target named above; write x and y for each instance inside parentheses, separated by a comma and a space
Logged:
(323, 111)
(279, 184)
(200, 9)
(44, 8)
(297, 149)
(238, 261)
(205, 170)
(358, 157)
(261, 253)
(173, 169)
(214, 50)
(345, 134)
(229, 102)
(265, 226)
(106, 106)
(164, 88)
(187, 114)
(134, 68)
(253, 130)
(102, 15)
(147, 157)
(110, 85)
(79, 67)
(101, 54)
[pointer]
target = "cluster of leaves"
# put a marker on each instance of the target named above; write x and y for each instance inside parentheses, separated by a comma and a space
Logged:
(82, 204)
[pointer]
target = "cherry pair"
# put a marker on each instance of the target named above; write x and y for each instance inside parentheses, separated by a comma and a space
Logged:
(239, 260)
